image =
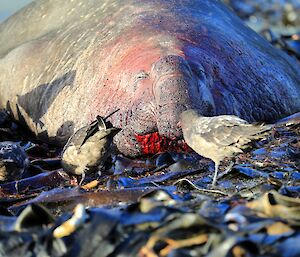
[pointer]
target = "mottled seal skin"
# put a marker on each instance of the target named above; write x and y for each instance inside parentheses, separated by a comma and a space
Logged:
(65, 62)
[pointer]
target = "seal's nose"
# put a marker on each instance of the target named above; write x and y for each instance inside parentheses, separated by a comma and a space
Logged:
(173, 88)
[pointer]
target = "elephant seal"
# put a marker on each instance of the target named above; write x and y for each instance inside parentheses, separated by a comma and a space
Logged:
(65, 62)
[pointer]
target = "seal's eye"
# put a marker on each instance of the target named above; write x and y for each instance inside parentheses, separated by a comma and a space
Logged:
(137, 78)
(141, 75)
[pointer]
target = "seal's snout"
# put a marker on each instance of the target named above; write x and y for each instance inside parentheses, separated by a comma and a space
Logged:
(173, 82)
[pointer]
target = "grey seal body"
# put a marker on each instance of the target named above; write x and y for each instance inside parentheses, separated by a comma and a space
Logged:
(64, 62)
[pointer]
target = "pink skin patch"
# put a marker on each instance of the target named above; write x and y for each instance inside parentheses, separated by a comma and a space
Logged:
(154, 143)
(120, 86)
(132, 56)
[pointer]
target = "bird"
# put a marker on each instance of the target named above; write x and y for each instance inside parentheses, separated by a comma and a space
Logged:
(88, 148)
(13, 160)
(218, 137)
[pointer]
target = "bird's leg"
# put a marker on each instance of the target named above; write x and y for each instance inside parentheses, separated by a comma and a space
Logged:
(216, 174)
(228, 169)
(82, 178)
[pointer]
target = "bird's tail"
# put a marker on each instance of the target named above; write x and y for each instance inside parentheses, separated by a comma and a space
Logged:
(262, 130)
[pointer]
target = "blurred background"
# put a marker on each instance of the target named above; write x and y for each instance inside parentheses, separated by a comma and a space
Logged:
(8, 7)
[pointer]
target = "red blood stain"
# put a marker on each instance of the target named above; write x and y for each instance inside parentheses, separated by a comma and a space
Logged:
(154, 143)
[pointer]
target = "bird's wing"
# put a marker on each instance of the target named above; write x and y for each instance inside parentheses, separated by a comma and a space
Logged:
(92, 129)
(224, 130)
(82, 135)
(78, 138)
(110, 132)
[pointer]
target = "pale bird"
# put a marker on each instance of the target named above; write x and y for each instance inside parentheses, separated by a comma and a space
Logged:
(88, 148)
(219, 136)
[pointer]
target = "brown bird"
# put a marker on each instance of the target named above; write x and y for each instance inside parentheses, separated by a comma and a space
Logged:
(219, 136)
(88, 148)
